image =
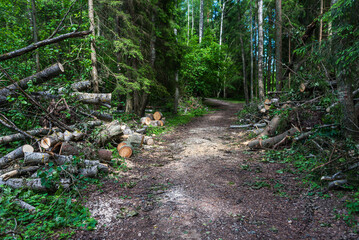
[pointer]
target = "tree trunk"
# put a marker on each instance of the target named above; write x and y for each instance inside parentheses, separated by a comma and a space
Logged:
(37, 78)
(260, 50)
(94, 72)
(111, 131)
(245, 86)
(34, 25)
(175, 107)
(17, 153)
(93, 98)
(192, 18)
(188, 22)
(19, 136)
(321, 22)
(221, 26)
(271, 142)
(278, 44)
(345, 96)
(251, 43)
(201, 21)
(80, 86)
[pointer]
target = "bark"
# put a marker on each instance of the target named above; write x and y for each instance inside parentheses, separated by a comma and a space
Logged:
(20, 171)
(278, 44)
(188, 22)
(38, 78)
(25, 205)
(105, 154)
(321, 22)
(111, 131)
(93, 98)
(34, 31)
(221, 26)
(245, 85)
(256, 125)
(17, 153)
(46, 42)
(20, 136)
(271, 142)
(260, 50)
(273, 124)
(192, 18)
(201, 21)
(94, 72)
(145, 120)
(34, 184)
(176, 100)
(251, 43)
(349, 119)
(81, 86)
(36, 158)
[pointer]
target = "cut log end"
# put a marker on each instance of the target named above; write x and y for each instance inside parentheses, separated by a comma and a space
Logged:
(125, 151)
(27, 148)
(157, 115)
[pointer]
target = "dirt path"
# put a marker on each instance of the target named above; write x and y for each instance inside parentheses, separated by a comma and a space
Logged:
(199, 183)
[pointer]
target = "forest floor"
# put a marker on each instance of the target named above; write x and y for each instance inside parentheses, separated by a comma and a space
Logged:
(200, 182)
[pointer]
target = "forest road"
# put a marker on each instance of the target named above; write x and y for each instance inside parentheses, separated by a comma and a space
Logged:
(198, 182)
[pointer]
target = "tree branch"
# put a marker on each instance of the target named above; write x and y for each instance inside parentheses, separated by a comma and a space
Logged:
(34, 46)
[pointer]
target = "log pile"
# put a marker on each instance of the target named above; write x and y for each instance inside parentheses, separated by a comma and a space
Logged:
(155, 120)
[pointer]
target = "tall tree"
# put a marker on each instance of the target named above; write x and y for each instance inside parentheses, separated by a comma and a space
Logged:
(251, 44)
(94, 71)
(260, 50)
(201, 10)
(35, 34)
(188, 21)
(278, 43)
(245, 86)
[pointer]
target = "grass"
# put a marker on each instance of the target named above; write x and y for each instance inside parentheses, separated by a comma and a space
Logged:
(174, 120)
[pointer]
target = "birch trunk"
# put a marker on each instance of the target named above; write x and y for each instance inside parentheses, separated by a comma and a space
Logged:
(201, 21)
(251, 43)
(94, 72)
(260, 50)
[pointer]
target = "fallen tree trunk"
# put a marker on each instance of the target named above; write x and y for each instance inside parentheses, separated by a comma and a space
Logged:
(270, 142)
(273, 124)
(36, 158)
(145, 120)
(93, 98)
(80, 86)
(34, 184)
(25, 205)
(19, 136)
(37, 78)
(110, 131)
(256, 125)
(17, 172)
(36, 45)
(17, 153)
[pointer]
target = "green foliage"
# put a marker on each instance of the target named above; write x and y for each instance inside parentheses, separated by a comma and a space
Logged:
(53, 212)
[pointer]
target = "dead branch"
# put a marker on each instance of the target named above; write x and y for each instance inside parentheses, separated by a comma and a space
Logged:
(46, 42)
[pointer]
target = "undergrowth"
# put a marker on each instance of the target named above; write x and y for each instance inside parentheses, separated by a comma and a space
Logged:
(311, 163)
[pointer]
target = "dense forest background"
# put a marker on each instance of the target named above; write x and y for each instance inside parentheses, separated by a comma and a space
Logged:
(129, 56)
(153, 51)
